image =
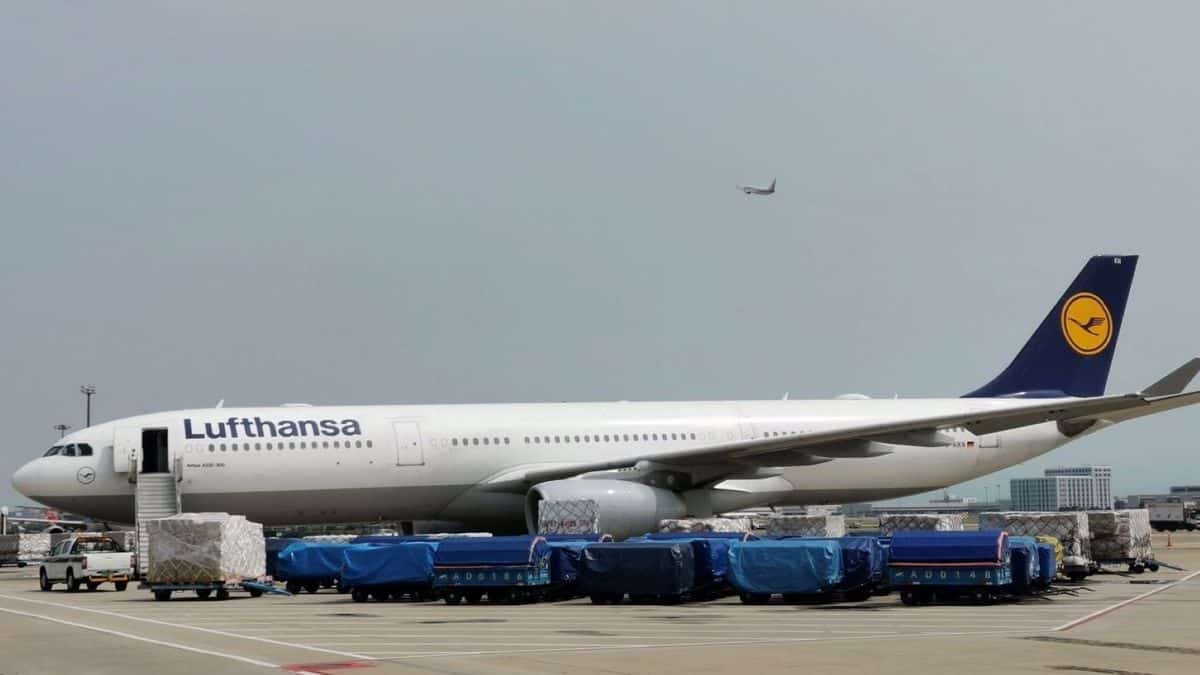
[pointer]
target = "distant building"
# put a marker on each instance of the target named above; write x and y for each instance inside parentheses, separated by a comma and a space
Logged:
(1064, 489)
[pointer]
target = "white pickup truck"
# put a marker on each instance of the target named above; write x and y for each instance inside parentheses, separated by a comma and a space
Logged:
(86, 560)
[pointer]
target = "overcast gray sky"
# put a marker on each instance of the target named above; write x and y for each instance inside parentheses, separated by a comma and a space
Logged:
(452, 202)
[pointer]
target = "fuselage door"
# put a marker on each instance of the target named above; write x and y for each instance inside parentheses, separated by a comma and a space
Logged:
(408, 444)
(127, 448)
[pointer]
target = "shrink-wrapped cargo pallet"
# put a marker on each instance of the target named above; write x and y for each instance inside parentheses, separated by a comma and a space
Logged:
(704, 525)
(806, 526)
(891, 523)
(24, 547)
(205, 548)
(1069, 527)
(1120, 535)
(568, 516)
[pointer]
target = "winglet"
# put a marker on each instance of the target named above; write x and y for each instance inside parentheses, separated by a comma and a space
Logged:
(1175, 381)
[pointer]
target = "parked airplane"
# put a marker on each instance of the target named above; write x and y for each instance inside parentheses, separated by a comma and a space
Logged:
(489, 466)
(751, 190)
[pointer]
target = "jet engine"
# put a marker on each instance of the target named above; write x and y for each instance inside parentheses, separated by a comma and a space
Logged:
(626, 509)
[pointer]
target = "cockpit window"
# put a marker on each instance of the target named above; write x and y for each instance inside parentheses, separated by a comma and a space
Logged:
(53, 451)
(68, 451)
(85, 450)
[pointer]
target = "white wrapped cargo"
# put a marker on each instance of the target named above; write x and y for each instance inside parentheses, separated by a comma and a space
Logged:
(24, 547)
(205, 548)
(568, 516)
(806, 526)
(704, 525)
(330, 538)
(1120, 535)
(891, 523)
(1069, 527)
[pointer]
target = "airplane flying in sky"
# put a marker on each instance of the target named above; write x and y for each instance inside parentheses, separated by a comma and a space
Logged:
(489, 466)
(751, 190)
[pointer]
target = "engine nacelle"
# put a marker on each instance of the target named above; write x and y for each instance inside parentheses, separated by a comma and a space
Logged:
(626, 509)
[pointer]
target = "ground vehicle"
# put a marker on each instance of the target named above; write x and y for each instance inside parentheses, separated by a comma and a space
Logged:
(1171, 515)
(86, 560)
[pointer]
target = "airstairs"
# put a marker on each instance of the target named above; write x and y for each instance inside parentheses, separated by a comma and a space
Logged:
(156, 496)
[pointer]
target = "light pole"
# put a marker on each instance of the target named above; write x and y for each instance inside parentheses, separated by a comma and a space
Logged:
(88, 390)
(997, 493)
(62, 429)
(986, 495)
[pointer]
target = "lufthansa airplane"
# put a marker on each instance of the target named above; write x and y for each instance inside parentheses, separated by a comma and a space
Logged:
(489, 466)
(751, 190)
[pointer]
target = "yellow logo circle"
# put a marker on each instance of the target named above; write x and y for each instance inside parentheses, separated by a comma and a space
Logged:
(1086, 323)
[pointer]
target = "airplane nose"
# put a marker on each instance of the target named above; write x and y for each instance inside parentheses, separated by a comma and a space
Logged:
(25, 479)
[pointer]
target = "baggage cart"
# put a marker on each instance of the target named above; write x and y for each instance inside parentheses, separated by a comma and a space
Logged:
(647, 571)
(505, 569)
(219, 590)
(929, 566)
(400, 570)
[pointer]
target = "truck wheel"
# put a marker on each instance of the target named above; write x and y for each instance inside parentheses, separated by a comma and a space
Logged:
(162, 594)
(92, 585)
(72, 582)
(43, 581)
(203, 593)
(121, 585)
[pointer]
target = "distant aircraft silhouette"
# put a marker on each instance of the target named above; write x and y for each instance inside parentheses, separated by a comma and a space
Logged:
(751, 190)
(1094, 322)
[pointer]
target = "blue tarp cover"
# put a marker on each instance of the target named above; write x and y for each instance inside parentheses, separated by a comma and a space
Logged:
(711, 553)
(304, 560)
(565, 558)
(394, 538)
(949, 547)
(273, 546)
(407, 563)
(864, 560)
(638, 567)
(523, 550)
(1024, 552)
(785, 565)
(1047, 564)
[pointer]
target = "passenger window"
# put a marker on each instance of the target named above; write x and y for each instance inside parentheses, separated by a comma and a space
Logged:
(557, 439)
(506, 440)
(495, 441)
(485, 440)
(258, 446)
(368, 444)
(212, 447)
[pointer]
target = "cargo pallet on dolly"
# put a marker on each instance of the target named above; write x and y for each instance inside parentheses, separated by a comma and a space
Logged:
(218, 589)
(928, 566)
(505, 569)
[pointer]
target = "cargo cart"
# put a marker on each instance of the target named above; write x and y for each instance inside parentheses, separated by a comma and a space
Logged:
(213, 589)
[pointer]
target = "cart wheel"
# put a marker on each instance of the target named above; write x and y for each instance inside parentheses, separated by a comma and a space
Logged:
(908, 598)
(162, 595)
(1152, 566)
(203, 593)
(380, 596)
(222, 593)
(793, 597)
(452, 598)
(755, 598)
(121, 585)
(499, 597)
(312, 586)
(358, 595)
(473, 597)
(293, 587)
(255, 592)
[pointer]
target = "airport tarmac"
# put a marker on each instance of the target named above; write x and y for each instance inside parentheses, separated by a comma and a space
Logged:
(1122, 625)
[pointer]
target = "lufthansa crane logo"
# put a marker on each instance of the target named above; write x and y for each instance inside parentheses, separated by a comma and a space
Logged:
(85, 475)
(1086, 324)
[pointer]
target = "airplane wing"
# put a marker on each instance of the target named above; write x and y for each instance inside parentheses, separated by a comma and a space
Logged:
(860, 440)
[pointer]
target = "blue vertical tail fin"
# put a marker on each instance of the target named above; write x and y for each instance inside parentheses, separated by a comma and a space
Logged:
(1071, 351)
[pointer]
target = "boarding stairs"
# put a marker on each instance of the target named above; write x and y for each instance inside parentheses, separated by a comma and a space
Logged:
(156, 496)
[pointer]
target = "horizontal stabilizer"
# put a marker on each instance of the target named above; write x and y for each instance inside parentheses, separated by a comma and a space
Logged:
(1175, 381)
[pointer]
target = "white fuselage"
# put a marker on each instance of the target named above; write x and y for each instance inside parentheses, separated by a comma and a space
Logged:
(281, 465)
